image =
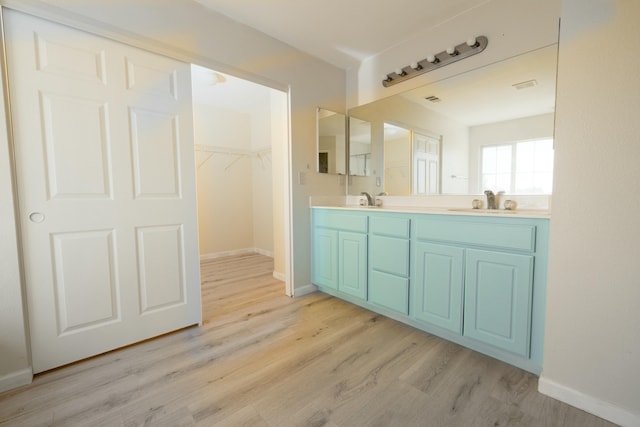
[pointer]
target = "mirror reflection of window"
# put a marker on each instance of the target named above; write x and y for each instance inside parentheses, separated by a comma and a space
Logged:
(534, 167)
(521, 167)
(496, 168)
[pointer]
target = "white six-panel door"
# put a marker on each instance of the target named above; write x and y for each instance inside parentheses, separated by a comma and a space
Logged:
(106, 185)
(426, 164)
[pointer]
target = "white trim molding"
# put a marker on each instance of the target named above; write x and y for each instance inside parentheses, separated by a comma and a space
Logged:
(304, 290)
(588, 403)
(244, 251)
(16, 379)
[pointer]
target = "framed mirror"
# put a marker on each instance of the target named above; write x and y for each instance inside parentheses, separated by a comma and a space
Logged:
(489, 128)
(331, 142)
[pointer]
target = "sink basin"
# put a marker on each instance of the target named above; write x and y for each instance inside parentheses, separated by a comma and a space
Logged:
(484, 211)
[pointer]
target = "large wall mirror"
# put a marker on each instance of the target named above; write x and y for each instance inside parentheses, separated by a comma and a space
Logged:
(332, 142)
(490, 128)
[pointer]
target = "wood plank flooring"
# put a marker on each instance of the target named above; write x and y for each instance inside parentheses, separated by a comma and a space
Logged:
(263, 359)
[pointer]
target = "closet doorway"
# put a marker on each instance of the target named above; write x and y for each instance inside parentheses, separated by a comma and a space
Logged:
(241, 144)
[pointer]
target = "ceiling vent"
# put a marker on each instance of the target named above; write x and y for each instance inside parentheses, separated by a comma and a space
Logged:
(433, 99)
(525, 85)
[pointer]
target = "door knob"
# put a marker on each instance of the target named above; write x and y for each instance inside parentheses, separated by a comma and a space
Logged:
(36, 217)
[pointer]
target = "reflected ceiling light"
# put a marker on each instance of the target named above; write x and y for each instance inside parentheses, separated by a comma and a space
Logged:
(472, 46)
(525, 85)
(216, 78)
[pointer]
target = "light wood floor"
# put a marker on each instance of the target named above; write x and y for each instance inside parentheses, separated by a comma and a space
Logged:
(263, 359)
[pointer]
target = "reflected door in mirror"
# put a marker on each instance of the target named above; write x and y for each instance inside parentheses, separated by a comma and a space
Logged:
(426, 164)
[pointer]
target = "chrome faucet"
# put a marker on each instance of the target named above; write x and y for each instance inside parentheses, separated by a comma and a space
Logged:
(491, 199)
(370, 201)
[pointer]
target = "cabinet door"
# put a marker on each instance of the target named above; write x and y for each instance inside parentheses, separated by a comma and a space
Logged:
(438, 286)
(498, 299)
(352, 264)
(325, 257)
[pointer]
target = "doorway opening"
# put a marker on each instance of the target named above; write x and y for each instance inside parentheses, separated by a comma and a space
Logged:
(241, 152)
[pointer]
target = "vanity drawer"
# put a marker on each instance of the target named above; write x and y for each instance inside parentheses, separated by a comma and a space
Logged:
(356, 223)
(389, 254)
(389, 291)
(392, 227)
(504, 236)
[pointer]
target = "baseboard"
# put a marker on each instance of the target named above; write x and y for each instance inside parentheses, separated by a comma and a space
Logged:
(279, 276)
(245, 251)
(263, 252)
(304, 290)
(588, 403)
(16, 379)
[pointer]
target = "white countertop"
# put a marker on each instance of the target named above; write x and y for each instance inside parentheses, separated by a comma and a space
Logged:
(527, 206)
(518, 213)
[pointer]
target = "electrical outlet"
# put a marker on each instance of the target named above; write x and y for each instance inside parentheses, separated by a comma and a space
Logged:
(302, 178)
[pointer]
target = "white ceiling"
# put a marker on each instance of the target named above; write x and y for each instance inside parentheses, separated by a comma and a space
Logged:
(220, 90)
(341, 32)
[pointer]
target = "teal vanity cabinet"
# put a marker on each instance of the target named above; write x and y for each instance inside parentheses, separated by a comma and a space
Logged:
(389, 254)
(476, 280)
(439, 285)
(340, 251)
(498, 296)
(475, 276)
(325, 257)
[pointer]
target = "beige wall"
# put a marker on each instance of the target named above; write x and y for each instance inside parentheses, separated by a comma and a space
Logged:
(280, 181)
(263, 203)
(225, 205)
(592, 339)
(397, 164)
(235, 194)
(186, 30)
(224, 181)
